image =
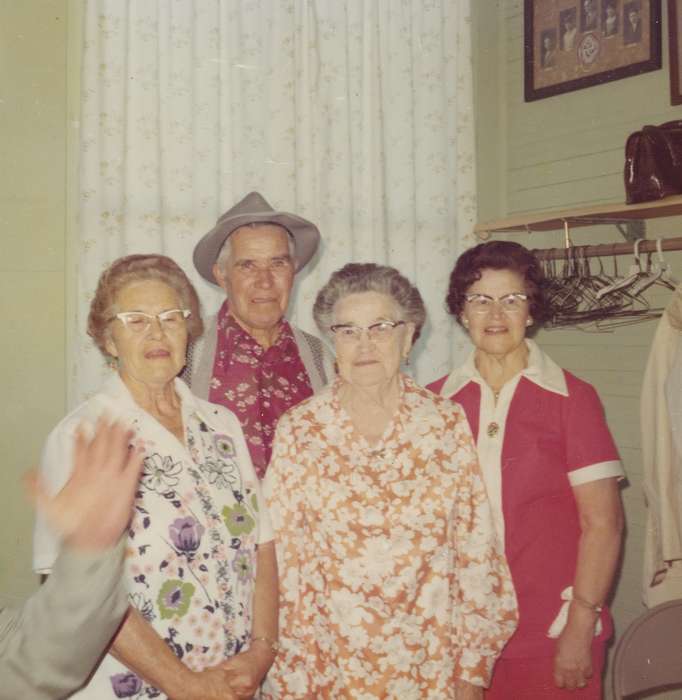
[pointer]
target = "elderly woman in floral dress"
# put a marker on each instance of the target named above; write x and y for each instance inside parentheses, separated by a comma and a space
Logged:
(201, 568)
(392, 582)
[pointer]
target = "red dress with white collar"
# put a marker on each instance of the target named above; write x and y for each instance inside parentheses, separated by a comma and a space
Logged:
(545, 434)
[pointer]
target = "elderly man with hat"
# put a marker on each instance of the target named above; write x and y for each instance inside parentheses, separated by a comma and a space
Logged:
(250, 359)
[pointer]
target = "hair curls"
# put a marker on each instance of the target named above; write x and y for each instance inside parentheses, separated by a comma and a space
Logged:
(138, 268)
(498, 255)
(355, 278)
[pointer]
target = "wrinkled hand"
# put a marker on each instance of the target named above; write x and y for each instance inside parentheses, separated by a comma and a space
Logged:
(95, 505)
(209, 684)
(247, 670)
(573, 659)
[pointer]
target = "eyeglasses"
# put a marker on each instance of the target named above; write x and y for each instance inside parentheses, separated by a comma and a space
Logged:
(139, 322)
(512, 303)
(377, 332)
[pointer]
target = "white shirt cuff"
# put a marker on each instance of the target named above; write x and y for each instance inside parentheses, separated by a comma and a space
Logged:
(594, 472)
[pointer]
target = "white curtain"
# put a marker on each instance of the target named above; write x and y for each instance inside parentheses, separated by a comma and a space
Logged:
(356, 114)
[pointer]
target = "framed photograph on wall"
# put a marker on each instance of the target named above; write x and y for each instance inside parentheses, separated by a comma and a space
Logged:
(574, 44)
(675, 36)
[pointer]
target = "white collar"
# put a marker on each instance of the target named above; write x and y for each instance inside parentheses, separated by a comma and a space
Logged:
(541, 370)
(115, 388)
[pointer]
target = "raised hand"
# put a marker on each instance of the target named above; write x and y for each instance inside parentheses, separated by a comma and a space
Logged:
(95, 505)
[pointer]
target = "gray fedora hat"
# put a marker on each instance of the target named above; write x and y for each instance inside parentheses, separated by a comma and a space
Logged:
(253, 209)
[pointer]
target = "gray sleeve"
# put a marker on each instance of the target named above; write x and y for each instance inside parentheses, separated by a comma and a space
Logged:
(316, 358)
(49, 646)
(200, 358)
(329, 364)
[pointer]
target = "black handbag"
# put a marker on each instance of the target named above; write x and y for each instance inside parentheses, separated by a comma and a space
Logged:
(653, 163)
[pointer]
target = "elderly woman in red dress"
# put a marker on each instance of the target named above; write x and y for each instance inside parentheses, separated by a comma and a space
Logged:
(551, 471)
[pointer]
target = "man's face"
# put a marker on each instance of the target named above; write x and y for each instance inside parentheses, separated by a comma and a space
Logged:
(257, 277)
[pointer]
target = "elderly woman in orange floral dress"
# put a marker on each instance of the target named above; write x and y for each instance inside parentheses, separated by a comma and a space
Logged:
(392, 583)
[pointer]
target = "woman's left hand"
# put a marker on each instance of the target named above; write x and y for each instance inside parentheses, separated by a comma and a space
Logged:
(573, 659)
(247, 670)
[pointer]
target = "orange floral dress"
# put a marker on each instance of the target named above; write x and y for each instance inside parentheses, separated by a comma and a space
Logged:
(392, 583)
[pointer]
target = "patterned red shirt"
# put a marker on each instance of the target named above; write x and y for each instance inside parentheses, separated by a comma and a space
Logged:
(256, 384)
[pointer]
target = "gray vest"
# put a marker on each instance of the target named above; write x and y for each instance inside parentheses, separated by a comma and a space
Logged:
(317, 360)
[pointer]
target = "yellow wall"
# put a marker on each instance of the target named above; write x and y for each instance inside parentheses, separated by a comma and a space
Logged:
(567, 151)
(32, 215)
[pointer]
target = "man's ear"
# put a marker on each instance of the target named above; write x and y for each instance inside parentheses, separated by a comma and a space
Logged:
(219, 276)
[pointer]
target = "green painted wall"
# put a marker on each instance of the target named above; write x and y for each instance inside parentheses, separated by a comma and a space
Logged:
(33, 98)
(562, 152)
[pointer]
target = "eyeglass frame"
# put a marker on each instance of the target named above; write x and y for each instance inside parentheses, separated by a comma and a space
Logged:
(123, 317)
(522, 296)
(356, 331)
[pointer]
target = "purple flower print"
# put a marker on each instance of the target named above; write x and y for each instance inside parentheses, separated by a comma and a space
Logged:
(224, 445)
(185, 533)
(125, 685)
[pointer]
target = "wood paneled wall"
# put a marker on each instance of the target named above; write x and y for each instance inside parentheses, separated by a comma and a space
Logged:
(565, 151)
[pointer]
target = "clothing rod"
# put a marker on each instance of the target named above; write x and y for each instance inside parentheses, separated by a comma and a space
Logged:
(647, 245)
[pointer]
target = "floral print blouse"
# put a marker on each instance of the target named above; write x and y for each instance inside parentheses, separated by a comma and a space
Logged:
(392, 583)
(199, 516)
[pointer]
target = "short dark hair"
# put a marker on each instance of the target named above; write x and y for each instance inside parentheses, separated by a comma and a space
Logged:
(498, 255)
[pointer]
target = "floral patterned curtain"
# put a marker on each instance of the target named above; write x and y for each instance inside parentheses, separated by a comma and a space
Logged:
(354, 114)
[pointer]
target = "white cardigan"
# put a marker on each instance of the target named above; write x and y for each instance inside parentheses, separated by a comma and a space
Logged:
(661, 424)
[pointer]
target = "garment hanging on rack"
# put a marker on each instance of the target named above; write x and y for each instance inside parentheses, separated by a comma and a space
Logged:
(662, 458)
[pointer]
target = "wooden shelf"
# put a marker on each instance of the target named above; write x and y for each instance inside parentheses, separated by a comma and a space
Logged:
(583, 216)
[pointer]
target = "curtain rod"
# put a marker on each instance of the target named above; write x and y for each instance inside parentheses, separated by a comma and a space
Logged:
(646, 245)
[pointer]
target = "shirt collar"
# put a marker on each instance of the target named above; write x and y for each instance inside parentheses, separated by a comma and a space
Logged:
(115, 389)
(541, 370)
(235, 335)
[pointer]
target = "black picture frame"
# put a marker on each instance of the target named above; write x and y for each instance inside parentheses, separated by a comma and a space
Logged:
(574, 44)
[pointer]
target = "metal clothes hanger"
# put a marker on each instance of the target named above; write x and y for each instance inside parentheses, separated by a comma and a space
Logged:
(632, 276)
